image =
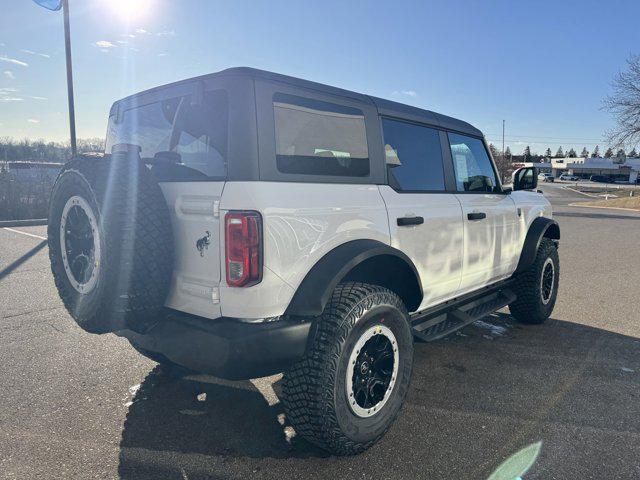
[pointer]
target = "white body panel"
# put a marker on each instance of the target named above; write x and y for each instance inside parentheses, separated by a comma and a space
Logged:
(196, 274)
(302, 222)
(269, 298)
(436, 246)
(531, 205)
(491, 244)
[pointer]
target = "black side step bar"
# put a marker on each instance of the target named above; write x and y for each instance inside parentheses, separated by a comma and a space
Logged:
(432, 325)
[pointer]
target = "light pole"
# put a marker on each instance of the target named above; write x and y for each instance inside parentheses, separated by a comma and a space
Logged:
(57, 5)
(67, 48)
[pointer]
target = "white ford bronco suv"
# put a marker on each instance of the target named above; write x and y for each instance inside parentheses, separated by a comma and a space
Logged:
(246, 223)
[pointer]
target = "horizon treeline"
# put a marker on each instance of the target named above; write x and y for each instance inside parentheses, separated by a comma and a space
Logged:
(28, 150)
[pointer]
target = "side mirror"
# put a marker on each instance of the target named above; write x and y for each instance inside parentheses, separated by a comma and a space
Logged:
(525, 178)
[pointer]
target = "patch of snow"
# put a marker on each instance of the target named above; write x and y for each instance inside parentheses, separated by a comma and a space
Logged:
(265, 387)
(494, 329)
(289, 433)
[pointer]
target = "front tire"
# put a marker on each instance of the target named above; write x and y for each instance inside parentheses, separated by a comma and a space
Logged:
(537, 288)
(349, 388)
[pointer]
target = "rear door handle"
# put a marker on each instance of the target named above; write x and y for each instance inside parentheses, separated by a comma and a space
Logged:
(408, 221)
(476, 216)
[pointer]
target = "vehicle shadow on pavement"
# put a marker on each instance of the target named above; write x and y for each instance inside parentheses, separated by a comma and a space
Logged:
(476, 398)
(24, 258)
(233, 420)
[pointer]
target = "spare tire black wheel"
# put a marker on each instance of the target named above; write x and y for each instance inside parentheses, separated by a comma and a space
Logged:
(110, 243)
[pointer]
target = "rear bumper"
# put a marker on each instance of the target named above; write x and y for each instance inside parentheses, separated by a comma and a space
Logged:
(226, 347)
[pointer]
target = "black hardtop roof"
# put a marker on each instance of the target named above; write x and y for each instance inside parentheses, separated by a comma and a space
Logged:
(385, 107)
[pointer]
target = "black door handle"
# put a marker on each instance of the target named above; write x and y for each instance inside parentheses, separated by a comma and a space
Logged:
(476, 216)
(407, 221)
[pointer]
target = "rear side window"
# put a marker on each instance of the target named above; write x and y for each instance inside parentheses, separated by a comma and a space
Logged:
(473, 168)
(413, 156)
(319, 138)
(181, 140)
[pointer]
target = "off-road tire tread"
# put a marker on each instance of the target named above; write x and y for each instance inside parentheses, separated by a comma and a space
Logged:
(138, 237)
(526, 308)
(308, 386)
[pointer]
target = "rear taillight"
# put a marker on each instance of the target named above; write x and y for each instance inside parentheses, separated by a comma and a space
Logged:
(243, 248)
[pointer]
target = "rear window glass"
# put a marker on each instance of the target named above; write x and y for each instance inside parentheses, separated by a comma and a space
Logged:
(180, 139)
(413, 155)
(319, 138)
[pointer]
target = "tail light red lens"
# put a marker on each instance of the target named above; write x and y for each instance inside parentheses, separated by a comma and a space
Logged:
(243, 248)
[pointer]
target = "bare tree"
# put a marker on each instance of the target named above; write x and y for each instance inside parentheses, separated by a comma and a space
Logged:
(503, 164)
(624, 104)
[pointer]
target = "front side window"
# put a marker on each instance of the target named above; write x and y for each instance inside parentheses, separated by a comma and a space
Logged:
(319, 138)
(180, 139)
(472, 165)
(413, 156)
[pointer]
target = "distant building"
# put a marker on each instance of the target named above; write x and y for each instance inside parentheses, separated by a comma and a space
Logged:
(543, 167)
(584, 167)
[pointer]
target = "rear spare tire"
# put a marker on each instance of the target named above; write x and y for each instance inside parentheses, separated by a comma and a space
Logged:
(110, 243)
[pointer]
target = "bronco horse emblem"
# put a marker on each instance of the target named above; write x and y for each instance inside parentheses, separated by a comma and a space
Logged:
(203, 243)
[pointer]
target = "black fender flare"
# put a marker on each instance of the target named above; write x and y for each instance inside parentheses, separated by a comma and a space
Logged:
(315, 290)
(541, 227)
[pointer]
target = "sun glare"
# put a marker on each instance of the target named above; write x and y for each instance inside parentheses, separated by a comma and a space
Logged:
(129, 9)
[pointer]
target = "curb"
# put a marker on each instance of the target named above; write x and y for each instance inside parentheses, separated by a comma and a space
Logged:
(23, 223)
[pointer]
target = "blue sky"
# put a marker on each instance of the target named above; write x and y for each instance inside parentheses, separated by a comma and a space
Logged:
(543, 66)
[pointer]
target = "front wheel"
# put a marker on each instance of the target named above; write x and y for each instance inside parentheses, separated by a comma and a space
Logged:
(537, 288)
(349, 388)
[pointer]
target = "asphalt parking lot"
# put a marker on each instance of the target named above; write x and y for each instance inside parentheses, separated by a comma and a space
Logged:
(74, 405)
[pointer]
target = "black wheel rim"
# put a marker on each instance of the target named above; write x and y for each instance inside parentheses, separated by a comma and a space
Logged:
(79, 244)
(373, 371)
(548, 277)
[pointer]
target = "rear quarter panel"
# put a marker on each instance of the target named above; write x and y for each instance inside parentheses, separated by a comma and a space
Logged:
(302, 222)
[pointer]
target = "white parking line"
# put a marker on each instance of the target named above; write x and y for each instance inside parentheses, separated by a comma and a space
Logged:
(24, 233)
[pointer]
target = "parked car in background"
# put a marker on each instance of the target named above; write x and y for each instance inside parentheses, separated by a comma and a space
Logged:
(546, 177)
(569, 178)
(600, 179)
